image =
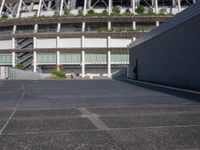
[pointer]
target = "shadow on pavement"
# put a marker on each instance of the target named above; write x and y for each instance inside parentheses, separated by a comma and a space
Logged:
(182, 94)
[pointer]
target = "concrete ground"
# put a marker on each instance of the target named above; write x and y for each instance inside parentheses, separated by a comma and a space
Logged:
(97, 115)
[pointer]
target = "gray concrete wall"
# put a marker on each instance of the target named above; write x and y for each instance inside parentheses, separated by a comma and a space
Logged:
(172, 57)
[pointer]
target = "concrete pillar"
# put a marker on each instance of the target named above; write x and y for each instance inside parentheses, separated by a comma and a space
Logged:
(133, 6)
(83, 26)
(89, 4)
(58, 27)
(179, 5)
(14, 29)
(58, 60)
(133, 39)
(83, 63)
(35, 28)
(2, 5)
(85, 8)
(34, 42)
(134, 25)
(19, 9)
(39, 8)
(83, 56)
(13, 60)
(109, 57)
(109, 25)
(109, 7)
(109, 65)
(13, 53)
(156, 7)
(157, 23)
(173, 2)
(61, 7)
(34, 61)
(58, 53)
(49, 5)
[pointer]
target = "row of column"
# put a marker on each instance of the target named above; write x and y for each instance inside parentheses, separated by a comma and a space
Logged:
(82, 62)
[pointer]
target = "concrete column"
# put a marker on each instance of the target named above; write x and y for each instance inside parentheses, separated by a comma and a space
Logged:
(58, 27)
(89, 4)
(85, 8)
(61, 7)
(58, 60)
(14, 29)
(134, 25)
(35, 28)
(34, 61)
(34, 42)
(13, 53)
(83, 26)
(83, 63)
(13, 60)
(156, 11)
(156, 7)
(58, 53)
(109, 64)
(109, 25)
(133, 39)
(157, 23)
(133, 6)
(19, 9)
(83, 56)
(39, 8)
(2, 5)
(109, 57)
(179, 5)
(109, 7)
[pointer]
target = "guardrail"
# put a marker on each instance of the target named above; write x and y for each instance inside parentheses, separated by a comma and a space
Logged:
(13, 73)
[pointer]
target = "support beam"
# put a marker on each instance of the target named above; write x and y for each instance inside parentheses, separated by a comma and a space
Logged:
(109, 25)
(133, 6)
(13, 60)
(157, 23)
(19, 8)
(34, 61)
(179, 5)
(134, 25)
(85, 8)
(58, 60)
(109, 7)
(61, 7)
(109, 57)
(83, 27)
(39, 8)
(156, 7)
(109, 64)
(13, 53)
(2, 5)
(83, 63)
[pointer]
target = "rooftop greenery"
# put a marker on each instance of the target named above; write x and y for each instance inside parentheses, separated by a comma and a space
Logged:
(140, 11)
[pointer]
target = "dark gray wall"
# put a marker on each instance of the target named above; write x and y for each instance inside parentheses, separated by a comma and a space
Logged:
(172, 57)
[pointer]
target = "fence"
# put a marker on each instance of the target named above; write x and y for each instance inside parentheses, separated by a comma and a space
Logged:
(13, 73)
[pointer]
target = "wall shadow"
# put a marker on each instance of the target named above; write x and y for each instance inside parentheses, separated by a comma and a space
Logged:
(177, 93)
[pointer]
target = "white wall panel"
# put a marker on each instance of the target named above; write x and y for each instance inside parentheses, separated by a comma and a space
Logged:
(46, 43)
(120, 42)
(6, 44)
(70, 42)
(95, 42)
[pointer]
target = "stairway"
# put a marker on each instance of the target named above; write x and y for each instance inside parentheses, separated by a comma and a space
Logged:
(25, 58)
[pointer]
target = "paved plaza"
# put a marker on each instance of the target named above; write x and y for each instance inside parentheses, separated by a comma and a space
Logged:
(97, 115)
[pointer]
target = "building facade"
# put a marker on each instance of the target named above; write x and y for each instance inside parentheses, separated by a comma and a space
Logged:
(86, 36)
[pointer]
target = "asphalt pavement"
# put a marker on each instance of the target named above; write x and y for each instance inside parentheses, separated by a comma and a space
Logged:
(97, 115)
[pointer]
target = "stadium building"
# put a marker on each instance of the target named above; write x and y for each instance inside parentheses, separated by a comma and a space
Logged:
(86, 36)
